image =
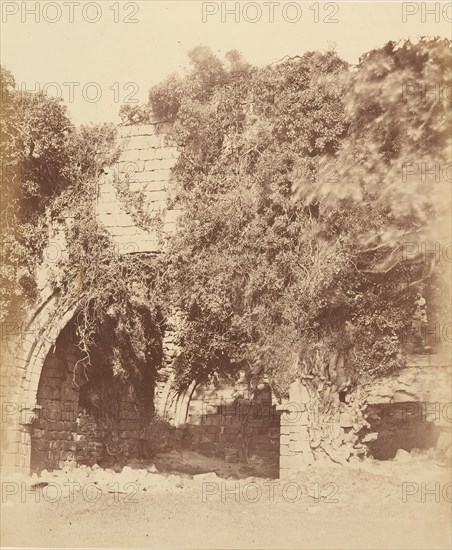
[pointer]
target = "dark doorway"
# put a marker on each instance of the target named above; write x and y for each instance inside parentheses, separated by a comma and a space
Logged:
(400, 426)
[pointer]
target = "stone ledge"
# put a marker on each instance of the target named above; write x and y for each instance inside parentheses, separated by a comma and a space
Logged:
(138, 142)
(429, 384)
(137, 130)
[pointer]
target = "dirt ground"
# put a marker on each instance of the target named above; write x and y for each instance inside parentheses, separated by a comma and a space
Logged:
(384, 505)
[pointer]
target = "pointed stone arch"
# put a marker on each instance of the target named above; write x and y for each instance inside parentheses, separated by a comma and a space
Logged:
(23, 360)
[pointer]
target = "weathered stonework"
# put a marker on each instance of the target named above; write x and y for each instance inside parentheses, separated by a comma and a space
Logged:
(147, 157)
(35, 378)
(70, 430)
(427, 378)
(146, 161)
(419, 401)
(225, 421)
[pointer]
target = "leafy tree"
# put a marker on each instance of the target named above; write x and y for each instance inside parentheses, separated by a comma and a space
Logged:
(277, 268)
(34, 153)
(50, 180)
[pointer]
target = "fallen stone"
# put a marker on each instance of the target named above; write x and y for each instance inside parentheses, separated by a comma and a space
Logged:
(402, 456)
(407, 378)
(152, 469)
(209, 476)
(350, 437)
(95, 467)
(345, 420)
(404, 397)
(372, 436)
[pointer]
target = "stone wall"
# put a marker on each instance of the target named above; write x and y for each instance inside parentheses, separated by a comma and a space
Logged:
(427, 378)
(109, 439)
(75, 423)
(294, 444)
(146, 160)
(36, 376)
(53, 432)
(406, 410)
(401, 425)
(410, 409)
(225, 421)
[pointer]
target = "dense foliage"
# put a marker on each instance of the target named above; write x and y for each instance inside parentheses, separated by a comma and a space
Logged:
(306, 205)
(50, 184)
(291, 178)
(296, 213)
(34, 154)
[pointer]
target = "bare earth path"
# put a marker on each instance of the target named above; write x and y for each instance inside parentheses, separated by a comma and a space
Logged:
(379, 505)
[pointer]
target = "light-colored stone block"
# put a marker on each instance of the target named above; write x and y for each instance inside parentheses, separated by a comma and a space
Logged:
(131, 166)
(137, 130)
(299, 446)
(167, 153)
(287, 473)
(135, 155)
(284, 450)
(144, 142)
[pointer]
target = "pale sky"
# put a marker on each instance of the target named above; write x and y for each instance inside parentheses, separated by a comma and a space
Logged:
(109, 60)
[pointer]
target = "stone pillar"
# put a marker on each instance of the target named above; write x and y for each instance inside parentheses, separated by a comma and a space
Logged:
(17, 414)
(295, 450)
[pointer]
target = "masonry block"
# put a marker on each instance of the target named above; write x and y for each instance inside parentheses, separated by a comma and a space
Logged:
(284, 450)
(143, 142)
(299, 446)
(130, 166)
(50, 393)
(289, 461)
(299, 433)
(167, 153)
(136, 155)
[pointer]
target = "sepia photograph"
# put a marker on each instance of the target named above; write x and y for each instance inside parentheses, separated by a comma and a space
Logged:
(225, 274)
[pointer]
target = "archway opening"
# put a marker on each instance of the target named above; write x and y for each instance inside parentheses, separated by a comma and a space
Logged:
(87, 414)
(236, 430)
(405, 425)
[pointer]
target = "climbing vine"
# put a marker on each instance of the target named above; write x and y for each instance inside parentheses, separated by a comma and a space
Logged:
(117, 307)
(52, 172)
(278, 253)
(134, 203)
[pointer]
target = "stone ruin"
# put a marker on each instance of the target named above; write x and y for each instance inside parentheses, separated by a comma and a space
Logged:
(45, 423)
